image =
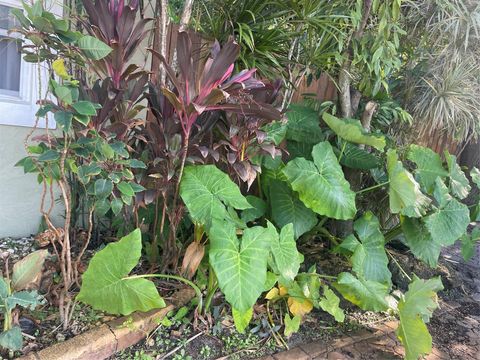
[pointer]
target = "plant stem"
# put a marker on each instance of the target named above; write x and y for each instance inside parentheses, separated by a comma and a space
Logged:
(342, 151)
(198, 292)
(331, 277)
(393, 233)
(211, 288)
(398, 265)
(372, 187)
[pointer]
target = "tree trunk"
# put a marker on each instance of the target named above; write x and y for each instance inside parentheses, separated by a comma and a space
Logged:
(470, 157)
(160, 42)
(186, 15)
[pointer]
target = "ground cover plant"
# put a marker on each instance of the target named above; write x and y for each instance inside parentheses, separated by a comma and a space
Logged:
(222, 179)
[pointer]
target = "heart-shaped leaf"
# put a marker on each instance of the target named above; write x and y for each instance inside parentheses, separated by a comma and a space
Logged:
(369, 260)
(284, 250)
(321, 184)
(206, 191)
(106, 285)
(414, 310)
(366, 294)
(240, 265)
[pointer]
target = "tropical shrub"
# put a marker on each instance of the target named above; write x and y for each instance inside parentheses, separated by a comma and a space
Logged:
(248, 256)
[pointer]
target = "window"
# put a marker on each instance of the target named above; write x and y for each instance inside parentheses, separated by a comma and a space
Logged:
(19, 83)
(10, 56)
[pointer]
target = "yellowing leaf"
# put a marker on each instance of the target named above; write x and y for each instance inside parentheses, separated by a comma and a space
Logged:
(59, 69)
(299, 306)
(273, 293)
(283, 291)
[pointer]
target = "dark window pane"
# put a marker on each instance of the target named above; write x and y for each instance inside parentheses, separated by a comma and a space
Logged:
(7, 20)
(10, 60)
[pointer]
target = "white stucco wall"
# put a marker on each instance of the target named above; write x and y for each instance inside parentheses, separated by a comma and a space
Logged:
(20, 194)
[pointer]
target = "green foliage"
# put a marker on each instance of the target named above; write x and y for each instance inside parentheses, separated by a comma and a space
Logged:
(287, 208)
(420, 242)
(207, 192)
(93, 48)
(405, 195)
(331, 304)
(415, 309)
(303, 125)
(242, 319)
(352, 130)
(285, 253)
(429, 166)
(366, 294)
(240, 264)
(106, 285)
(321, 184)
(12, 294)
(369, 260)
(459, 184)
(292, 325)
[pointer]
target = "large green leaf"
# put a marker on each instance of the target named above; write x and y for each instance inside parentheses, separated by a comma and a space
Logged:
(356, 158)
(321, 184)
(404, 192)
(287, 208)
(258, 209)
(369, 260)
(414, 310)
(420, 242)
(93, 48)
(351, 130)
(284, 250)
(366, 294)
(459, 184)
(429, 166)
(240, 266)
(303, 125)
(106, 285)
(12, 339)
(299, 149)
(331, 304)
(206, 191)
(448, 223)
(242, 319)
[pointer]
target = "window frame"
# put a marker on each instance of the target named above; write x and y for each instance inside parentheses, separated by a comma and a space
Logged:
(20, 110)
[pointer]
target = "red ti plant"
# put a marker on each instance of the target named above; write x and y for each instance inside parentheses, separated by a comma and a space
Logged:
(198, 93)
(121, 84)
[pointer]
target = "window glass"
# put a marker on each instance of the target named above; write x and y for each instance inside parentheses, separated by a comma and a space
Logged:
(7, 20)
(10, 56)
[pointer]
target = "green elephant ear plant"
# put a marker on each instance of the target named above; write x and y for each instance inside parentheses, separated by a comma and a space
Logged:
(248, 256)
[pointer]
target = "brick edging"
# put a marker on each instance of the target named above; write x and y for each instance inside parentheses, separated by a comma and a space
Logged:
(105, 340)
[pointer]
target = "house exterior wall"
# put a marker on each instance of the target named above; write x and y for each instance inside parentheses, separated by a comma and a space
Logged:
(20, 194)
